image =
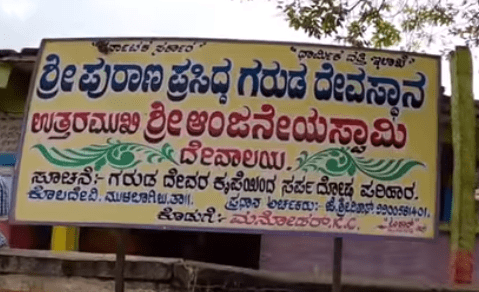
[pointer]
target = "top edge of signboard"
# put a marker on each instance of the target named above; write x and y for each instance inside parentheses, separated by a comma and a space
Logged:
(244, 41)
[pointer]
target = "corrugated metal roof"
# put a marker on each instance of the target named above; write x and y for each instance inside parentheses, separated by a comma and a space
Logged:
(25, 52)
(23, 60)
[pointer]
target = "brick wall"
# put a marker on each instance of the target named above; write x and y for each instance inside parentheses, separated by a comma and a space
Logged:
(416, 261)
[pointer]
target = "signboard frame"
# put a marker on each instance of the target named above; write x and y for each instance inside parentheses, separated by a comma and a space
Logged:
(12, 217)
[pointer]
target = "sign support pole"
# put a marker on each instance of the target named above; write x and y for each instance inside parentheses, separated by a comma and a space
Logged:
(120, 262)
(463, 225)
(337, 257)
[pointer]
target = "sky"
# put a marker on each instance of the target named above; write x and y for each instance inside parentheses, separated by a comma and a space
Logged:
(24, 23)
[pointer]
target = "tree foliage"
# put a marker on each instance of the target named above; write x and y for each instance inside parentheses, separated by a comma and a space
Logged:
(410, 24)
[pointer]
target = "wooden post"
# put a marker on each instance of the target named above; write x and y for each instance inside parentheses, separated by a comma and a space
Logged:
(463, 224)
(337, 257)
(120, 261)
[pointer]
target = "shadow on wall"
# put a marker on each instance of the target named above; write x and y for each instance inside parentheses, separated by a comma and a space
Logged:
(239, 250)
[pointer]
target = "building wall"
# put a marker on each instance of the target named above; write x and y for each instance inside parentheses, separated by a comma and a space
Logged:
(415, 261)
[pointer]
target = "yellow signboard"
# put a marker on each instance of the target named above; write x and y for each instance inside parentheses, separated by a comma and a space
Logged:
(231, 136)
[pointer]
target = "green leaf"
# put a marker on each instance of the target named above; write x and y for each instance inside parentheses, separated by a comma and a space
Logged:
(352, 170)
(56, 157)
(383, 27)
(341, 162)
(100, 163)
(114, 153)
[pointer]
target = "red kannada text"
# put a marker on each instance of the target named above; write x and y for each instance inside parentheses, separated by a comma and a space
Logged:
(267, 125)
(268, 218)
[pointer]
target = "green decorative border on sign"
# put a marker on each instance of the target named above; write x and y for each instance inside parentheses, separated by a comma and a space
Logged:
(124, 155)
(341, 162)
(115, 153)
